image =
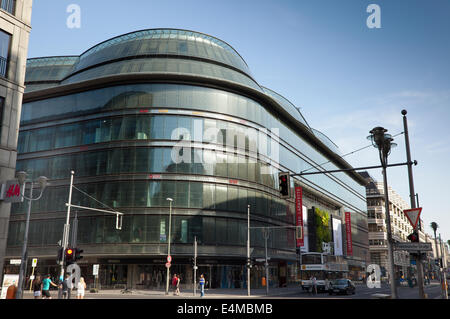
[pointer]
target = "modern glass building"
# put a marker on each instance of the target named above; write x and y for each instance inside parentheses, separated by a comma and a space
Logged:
(166, 113)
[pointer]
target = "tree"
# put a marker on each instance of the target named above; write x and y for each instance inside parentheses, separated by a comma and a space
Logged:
(435, 227)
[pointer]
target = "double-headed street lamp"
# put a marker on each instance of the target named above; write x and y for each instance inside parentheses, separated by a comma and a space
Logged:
(170, 200)
(383, 142)
(42, 182)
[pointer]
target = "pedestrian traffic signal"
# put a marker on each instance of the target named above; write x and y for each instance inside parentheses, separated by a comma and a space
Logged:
(285, 189)
(69, 256)
(413, 237)
(77, 254)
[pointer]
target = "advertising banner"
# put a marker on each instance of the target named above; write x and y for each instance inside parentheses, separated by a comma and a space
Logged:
(299, 214)
(8, 280)
(348, 229)
(305, 247)
(337, 237)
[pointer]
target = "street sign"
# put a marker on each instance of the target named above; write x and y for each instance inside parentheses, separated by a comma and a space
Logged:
(413, 216)
(95, 270)
(167, 265)
(34, 262)
(169, 259)
(413, 246)
(15, 261)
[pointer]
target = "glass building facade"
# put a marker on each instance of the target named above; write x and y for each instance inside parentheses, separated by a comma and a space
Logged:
(166, 113)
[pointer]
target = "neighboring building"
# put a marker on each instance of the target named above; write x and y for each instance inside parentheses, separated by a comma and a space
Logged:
(15, 27)
(165, 113)
(400, 227)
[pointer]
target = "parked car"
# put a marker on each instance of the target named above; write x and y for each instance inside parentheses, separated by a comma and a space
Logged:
(341, 286)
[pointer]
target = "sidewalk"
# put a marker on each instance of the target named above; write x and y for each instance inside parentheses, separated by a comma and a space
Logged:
(186, 293)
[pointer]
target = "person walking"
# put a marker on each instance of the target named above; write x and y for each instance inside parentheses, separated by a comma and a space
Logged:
(177, 290)
(202, 285)
(81, 287)
(46, 287)
(174, 284)
(65, 287)
(314, 285)
(37, 287)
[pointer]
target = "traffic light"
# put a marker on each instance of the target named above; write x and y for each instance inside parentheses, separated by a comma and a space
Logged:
(77, 254)
(249, 263)
(413, 237)
(285, 185)
(59, 255)
(69, 256)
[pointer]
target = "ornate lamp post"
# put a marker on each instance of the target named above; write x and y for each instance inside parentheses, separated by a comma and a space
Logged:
(383, 142)
(42, 182)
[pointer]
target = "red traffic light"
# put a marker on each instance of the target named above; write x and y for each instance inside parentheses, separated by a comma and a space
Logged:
(69, 251)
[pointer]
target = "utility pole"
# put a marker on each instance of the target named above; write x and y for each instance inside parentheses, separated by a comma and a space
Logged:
(266, 264)
(195, 265)
(443, 275)
(248, 250)
(412, 196)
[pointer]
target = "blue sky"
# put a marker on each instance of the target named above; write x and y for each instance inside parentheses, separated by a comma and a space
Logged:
(321, 56)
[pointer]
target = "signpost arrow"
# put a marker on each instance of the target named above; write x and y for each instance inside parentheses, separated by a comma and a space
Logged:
(413, 215)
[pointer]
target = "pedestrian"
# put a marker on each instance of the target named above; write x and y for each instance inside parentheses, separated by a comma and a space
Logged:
(177, 291)
(63, 285)
(46, 287)
(81, 287)
(12, 290)
(37, 287)
(202, 285)
(174, 284)
(313, 285)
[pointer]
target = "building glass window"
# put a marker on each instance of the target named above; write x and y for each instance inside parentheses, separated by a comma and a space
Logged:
(5, 41)
(8, 5)
(2, 107)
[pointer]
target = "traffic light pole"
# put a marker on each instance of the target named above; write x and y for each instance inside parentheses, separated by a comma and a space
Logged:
(65, 241)
(412, 195)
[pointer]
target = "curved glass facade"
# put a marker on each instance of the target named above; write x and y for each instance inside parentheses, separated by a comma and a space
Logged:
(133, 145)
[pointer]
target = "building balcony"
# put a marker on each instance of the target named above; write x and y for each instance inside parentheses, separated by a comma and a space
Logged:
(377, 247)
(377, 235)
(378, 221)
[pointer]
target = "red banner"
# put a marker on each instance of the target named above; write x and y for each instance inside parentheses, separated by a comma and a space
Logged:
(348, 229)
(299, 213)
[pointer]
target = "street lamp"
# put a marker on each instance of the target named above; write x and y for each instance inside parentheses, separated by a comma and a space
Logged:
(42, 182)
(170, 200)
(383, 142)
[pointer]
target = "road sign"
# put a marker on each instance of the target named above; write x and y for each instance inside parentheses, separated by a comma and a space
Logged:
(413, 216)
(15, 261)
(169, 259)
(95, 270)
(167, 265)
(34, 263)
(413, 246)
